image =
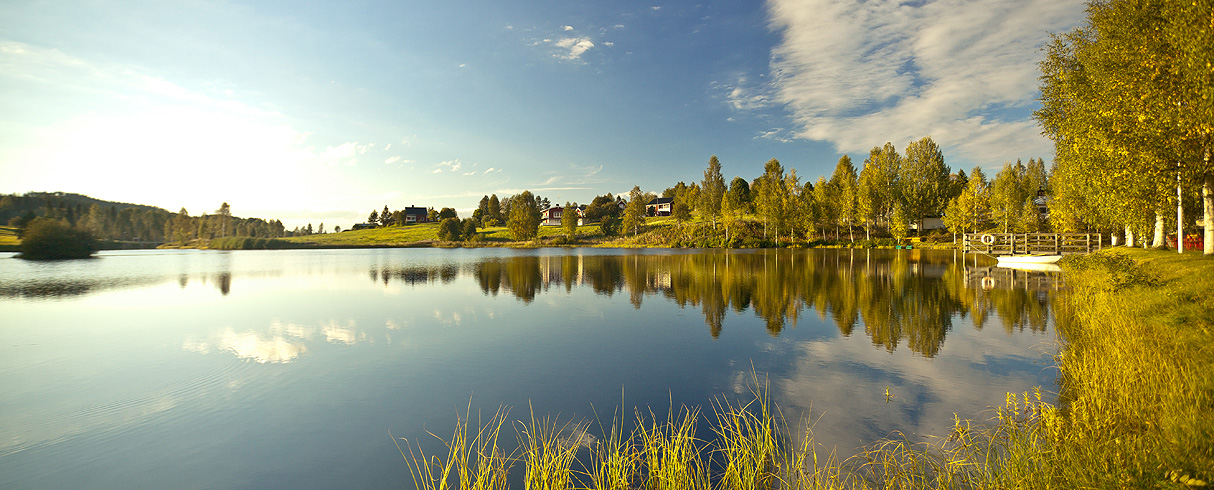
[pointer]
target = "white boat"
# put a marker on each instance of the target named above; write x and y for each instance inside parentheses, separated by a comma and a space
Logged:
(1028, 259)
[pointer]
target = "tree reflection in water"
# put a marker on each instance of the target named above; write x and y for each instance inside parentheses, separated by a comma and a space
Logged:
(892, 295)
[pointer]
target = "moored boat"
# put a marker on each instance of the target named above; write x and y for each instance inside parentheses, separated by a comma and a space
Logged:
(1028, 259)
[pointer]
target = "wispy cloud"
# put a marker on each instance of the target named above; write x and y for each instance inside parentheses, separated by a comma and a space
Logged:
(860, 74)
(452, 166)
(492, 170)
(743, 95)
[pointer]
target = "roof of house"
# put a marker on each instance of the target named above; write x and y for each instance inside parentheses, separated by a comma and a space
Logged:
(661, 200)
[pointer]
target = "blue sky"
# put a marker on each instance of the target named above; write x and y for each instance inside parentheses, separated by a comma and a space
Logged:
(312, 111)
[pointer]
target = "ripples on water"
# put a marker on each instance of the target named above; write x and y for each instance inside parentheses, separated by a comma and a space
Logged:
(285, 368)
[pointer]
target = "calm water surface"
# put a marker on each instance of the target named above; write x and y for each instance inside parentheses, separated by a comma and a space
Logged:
(201, 369)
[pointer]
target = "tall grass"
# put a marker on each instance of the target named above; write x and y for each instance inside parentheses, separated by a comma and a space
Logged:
(479, 463)
(1136, 411)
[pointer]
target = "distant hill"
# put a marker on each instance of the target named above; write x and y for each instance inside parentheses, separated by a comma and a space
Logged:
(12, 205)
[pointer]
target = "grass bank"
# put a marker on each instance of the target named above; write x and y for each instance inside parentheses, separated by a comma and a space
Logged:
(1136, 410)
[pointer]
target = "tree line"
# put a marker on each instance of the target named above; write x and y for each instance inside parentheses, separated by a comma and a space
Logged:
(1128, 98)
(891, 194)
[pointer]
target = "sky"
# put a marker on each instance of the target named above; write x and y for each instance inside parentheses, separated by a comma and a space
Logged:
(319, 112)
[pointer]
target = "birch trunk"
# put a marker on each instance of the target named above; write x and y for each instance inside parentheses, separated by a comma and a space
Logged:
(1129, 236)
(1179, 216)
(1157, 240)
(1207, 197)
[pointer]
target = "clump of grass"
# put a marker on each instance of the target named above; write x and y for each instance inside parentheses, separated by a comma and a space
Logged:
(747, 443)
(614, 460)
(549, 450)
(670, 452)
(471, 464)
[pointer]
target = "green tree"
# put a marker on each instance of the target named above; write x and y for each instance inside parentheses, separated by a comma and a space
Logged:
(634, 212)
(524, 219)
(1127, 99)
(1007, 197)
(225, 217)
(569, 219)
(924, 179)
(385, 216)
(493, 212)
(771, 196)
(898, 221)
(373, 218)
(712, 191)
(447, 213)
(50, 239)
(468, 231)
(846, 189)
(739, 196)
(450, 229)
(827, 214)
(879, 186)
(604, 206)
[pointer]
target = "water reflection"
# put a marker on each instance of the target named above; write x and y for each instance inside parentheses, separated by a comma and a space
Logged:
(911, 296)
(280, 343)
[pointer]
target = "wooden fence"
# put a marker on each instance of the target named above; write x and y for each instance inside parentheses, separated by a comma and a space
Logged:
(1031, 243)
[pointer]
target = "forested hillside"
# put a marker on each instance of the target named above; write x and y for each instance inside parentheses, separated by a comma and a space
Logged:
(108, 220)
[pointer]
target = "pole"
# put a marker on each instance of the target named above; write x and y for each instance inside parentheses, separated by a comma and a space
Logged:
(1179, 216)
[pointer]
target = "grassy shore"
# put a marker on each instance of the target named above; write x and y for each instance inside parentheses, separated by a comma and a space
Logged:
(1136, 410)
(663, 232)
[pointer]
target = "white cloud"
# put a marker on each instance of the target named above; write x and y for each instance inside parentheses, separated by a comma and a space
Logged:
(860, 74)
(568, 28)
(469, 173)
(608, 43)
(572, 48)
(492, 170)
(392, 160)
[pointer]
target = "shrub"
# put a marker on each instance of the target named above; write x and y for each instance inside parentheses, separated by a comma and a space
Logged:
(449, 229)
(49, 239)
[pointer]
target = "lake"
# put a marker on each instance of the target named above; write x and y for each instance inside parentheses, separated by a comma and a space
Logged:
(255, 369)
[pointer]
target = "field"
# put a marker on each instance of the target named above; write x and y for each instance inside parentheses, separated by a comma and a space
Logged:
(426, 234)
(8, 239)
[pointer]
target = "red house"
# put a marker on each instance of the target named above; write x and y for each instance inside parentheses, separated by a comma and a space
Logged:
(416, 215)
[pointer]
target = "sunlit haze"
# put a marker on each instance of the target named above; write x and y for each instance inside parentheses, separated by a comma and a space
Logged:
(311, 112)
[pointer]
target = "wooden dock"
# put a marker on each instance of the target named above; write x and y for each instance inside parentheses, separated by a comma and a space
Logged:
(1031, 243)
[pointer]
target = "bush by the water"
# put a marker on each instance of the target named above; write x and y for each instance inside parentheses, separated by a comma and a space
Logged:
(49, 239)
(247, 243)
